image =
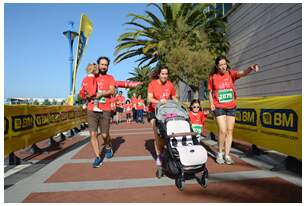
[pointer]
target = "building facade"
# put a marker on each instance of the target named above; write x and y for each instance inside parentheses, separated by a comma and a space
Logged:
(269, 35)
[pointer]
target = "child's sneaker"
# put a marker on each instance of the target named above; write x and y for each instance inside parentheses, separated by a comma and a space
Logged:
(228, 160)
(96, 109)
(97, 163)
(219, 158)
(108, 152)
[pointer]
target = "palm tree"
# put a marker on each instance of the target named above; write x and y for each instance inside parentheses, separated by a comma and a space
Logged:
(140, 74)
(183, 37)
(150, 36)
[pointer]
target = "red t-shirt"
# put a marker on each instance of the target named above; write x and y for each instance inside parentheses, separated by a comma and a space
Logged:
(128, 107)
(197, 121)
(134, 101)
(222, 85)
(160, 91)
(140, 104)
(104, 82)
(120, 101)
(113, 103)
(89, 86)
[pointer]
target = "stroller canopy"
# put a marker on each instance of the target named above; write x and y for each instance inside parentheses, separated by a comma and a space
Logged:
(171, 109)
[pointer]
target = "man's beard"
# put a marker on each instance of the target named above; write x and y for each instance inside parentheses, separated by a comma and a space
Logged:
(103, 72)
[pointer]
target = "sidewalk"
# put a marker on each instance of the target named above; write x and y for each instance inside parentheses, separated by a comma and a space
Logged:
(130, 176)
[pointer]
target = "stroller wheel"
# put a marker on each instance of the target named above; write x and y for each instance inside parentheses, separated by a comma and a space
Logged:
(179, 182)
(204, 179)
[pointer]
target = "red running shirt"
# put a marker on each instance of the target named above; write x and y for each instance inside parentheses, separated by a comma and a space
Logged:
(88, 87)
(197, 121)
(120, 101)
(104, 82)
(134, 101)
(113, 103)
(160, 91)
(140, 104)
(128, 107)
(223, 91)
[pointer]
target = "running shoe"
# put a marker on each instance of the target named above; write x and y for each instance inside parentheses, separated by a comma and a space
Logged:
(108, 152)
(96, 109)
(219, 158)
(97, 163)
(228, 160)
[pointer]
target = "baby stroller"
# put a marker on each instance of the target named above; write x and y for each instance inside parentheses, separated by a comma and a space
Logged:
(183, 157)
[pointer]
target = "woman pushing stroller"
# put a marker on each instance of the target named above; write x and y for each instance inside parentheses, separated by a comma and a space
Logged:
(160, 90)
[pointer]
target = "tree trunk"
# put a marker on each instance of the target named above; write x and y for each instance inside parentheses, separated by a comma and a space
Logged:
(177, 89)
(196, 94)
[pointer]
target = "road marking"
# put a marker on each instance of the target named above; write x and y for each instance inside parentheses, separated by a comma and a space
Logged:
(266, 163)
(137, 129)
(120, 134)
(23, 188)
(131, 133)
(114, 159)
(17, 168)
(146, 182)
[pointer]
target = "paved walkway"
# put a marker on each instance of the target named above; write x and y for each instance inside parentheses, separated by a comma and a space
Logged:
(65, 174)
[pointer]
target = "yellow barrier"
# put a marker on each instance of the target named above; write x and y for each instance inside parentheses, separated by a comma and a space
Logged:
(270, 122)
(25, 125)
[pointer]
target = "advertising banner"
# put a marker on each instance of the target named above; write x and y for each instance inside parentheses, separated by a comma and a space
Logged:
(270, 122)
(25, 125)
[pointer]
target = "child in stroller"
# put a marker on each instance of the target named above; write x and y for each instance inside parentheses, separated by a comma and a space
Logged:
(183, 157)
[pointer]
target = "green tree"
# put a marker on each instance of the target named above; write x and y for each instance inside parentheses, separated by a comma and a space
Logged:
(35, 102)
(187, 38)
(54, 102)
(140, 74)
(46, 102)
(79, 100)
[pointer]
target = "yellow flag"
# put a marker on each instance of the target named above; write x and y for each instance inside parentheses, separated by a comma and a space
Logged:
(86, 28)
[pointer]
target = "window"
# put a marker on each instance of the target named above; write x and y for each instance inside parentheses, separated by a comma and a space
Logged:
(222, 9)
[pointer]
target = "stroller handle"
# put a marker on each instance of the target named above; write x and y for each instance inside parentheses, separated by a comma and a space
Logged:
(183, 134)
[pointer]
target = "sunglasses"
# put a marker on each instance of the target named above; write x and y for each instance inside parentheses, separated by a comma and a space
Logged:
(195, 107)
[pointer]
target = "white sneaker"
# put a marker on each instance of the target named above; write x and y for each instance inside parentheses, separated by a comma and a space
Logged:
(219, 158)
(96, 109)
(228, 160)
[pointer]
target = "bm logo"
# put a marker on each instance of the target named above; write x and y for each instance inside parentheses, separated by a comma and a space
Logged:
(283, 119)
(246, 116)
(22, 122)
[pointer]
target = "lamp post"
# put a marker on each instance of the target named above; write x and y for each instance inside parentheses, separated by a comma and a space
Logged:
(71, 35)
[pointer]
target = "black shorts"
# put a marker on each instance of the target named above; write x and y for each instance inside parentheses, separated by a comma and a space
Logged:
(150, 116)
(128, 115)
(113, 113)
(228, 112)
(119, 109)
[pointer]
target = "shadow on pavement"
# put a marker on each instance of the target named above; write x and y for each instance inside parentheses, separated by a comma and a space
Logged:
(116, 142)
(149, 145)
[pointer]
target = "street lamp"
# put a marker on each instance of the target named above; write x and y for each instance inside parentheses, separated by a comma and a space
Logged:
(71, 35)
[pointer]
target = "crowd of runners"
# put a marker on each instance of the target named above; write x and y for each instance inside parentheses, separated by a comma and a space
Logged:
(105, 106)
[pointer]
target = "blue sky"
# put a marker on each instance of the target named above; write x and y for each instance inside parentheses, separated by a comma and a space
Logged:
(36, 52)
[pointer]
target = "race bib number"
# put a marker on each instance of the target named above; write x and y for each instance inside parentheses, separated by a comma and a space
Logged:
(102, 100)
(197, 128)
(225, 95)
